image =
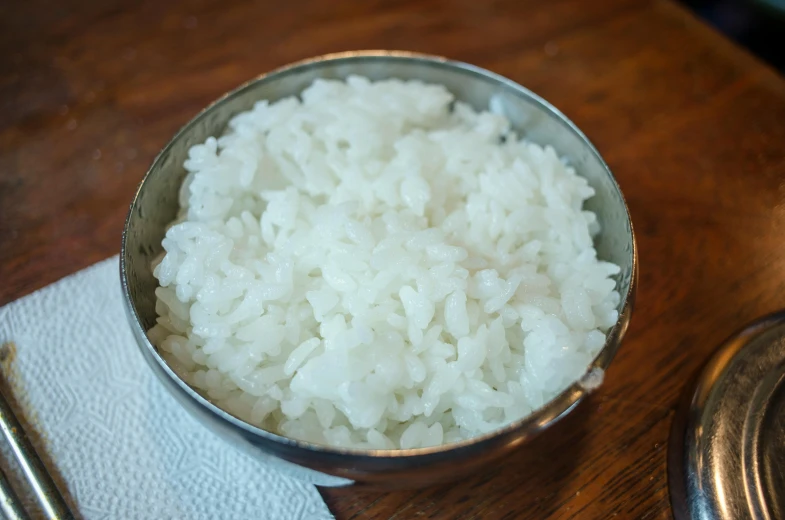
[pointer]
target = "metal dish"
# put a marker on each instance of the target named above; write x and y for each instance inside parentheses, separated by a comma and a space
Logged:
(155, 205)
(727, 446)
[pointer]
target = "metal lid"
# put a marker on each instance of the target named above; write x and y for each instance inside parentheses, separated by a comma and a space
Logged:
(726, 458)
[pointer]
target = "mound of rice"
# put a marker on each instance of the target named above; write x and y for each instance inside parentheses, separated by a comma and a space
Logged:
(374, 265)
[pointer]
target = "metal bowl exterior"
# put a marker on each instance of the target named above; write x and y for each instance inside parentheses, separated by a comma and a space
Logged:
(155, 205)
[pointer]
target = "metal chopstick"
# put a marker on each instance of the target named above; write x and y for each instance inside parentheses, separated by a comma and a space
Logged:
(10, 505)
(46, 492)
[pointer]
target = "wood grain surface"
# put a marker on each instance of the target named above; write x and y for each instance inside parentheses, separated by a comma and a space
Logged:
(693, 128)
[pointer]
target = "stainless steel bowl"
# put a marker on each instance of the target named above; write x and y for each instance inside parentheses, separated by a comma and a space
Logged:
(155, 205)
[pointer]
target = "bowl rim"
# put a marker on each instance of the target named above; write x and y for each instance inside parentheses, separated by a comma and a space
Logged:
(550, 412)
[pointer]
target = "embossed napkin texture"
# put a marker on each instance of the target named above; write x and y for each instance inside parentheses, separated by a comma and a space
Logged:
(123, 446)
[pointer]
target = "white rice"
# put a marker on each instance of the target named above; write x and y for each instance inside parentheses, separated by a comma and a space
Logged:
(373, 265)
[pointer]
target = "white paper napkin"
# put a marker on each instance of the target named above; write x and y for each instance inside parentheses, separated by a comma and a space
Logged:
(122, 444)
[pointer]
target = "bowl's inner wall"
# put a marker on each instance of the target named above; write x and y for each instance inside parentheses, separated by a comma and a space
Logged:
(156, 203)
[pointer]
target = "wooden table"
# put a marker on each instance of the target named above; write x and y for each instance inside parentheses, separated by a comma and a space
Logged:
(693, 128)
